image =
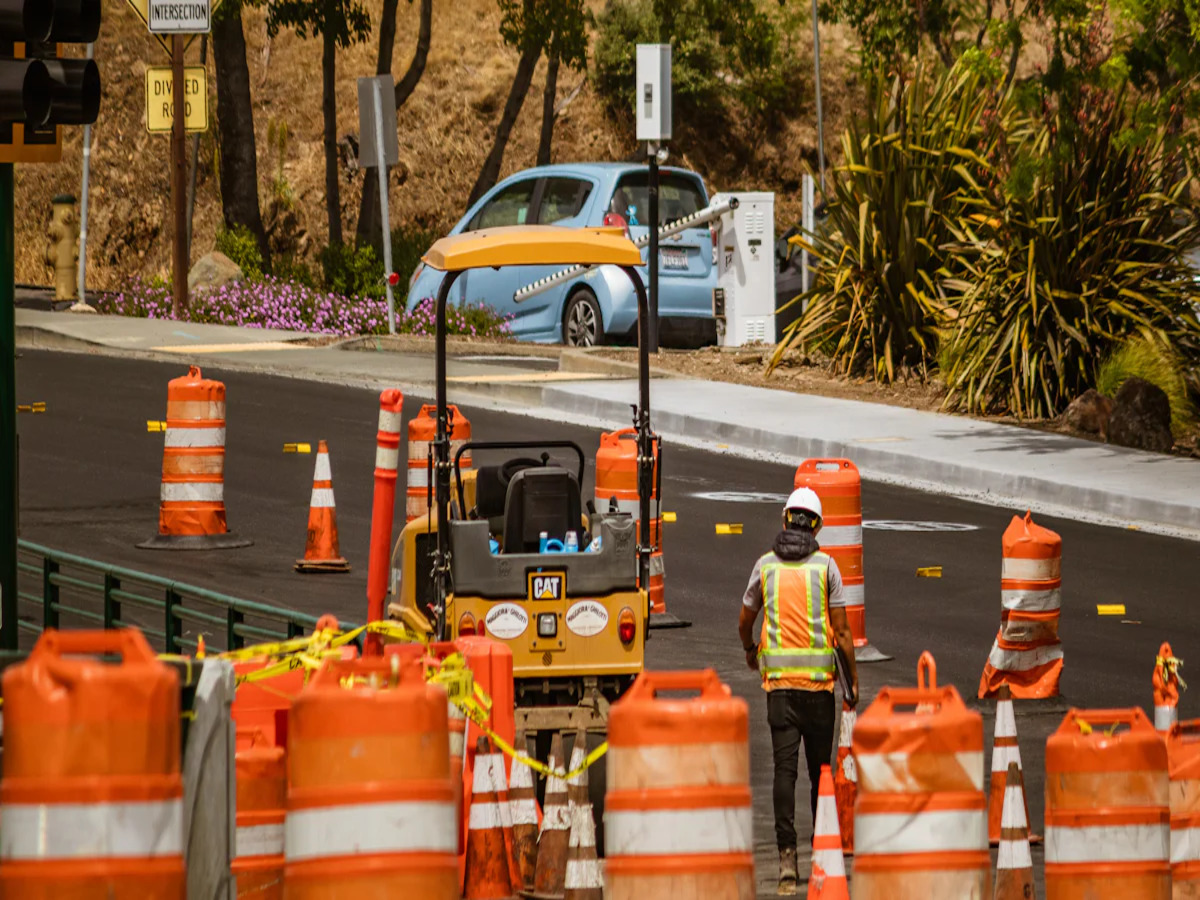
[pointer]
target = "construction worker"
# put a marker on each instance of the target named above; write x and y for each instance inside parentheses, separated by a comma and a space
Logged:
(800, 589)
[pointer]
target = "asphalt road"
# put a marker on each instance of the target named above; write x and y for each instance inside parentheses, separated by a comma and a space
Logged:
(90, 481)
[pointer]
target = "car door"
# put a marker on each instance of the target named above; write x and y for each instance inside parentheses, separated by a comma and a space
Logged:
(560, 200)
(512, 203)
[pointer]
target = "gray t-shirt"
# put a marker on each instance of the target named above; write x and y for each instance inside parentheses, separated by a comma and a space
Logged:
(753, 598)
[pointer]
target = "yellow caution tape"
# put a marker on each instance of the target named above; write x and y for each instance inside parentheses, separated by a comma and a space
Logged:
(929, 572)
(1085, 728)
(1110, 609)
(154, 425)
(668, 517)
(297, 448)
(1170, 666)
(729, 528)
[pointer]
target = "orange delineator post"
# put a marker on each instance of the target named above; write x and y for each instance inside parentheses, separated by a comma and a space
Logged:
(839, 485)
(616, 477)
(1166, 685)
(191, 513)
(387, 460)
(1107, 809)
(422, 430)
(1027, 654)
(91, 798)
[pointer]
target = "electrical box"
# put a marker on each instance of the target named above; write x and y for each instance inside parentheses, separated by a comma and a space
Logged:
(652, 107)
(744, 301)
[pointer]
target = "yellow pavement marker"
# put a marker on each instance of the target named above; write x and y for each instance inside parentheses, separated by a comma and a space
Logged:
(929, 572)
(38, 407)
(155, 425)
(297, 448)
(668, 517)
(1110, 609)
(729, 528)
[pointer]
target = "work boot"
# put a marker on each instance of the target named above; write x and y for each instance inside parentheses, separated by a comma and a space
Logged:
(788, 876)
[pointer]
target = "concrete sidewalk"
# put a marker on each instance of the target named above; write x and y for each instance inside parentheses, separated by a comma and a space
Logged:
(1003, 465)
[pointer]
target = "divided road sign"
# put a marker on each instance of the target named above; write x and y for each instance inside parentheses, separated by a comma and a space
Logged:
(160, 108)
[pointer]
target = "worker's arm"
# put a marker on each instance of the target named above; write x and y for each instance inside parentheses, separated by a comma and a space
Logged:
(845, 641)
(752, 602)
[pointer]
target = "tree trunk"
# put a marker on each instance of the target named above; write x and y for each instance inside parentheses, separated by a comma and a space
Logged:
(333, 204)
(238, 163)
(369, 229)
(490, 173)
(548, 114)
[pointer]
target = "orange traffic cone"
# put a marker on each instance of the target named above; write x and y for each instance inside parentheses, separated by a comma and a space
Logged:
(1014, 865)
(584, 880)
(845, 779)
(550, 877)
(1005, 751)
(487, 876)
(522, 808)
(828, 878)
(1167, 684)
(321, 553)
(494, 762)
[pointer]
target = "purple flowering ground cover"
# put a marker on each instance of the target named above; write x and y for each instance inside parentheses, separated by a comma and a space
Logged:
(272, 303)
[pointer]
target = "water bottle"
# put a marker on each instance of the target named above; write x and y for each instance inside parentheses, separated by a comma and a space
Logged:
(493, 545)
(571, 545)
(594, 546)
(543, 538)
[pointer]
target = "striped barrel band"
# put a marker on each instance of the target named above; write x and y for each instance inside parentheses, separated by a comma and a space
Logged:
(387, 458)
(1129, 842)
(37, 831)
(418, 478)
(939, 770)
(419, 826)
(1010, 660)
(1030, 600)
(322, 498)
(1185, 845)
(193, 492)
(832, 536)
(187, 438)
(1015, 568)
(933, 831)
(1165, 717)
(667, 832)
(1020, 630)
(418, 454)
(259, 840)
(458, 743)
(179, 466)
(389, 421)
(854, 594)
(195, 410)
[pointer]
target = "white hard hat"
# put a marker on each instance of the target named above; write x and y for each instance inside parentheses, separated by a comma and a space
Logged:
(805, 499)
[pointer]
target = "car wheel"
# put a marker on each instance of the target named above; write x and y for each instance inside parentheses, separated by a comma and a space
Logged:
(582, 324)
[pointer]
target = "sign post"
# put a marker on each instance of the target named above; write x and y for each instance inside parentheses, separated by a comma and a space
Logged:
(377, 118)
(178, 18)
(652, 111)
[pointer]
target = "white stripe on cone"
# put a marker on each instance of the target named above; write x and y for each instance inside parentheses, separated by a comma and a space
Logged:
(36, 831)
(583, 873)
(924, 832)
(485, 816)
(322, 498)
(494, 763)
(1002, 755)
(187, 438)
(678, 831)
(395, 827)
(192, 492)
(831, 861)
(1014, 568)
(322, 471)
(259, 840)
(1107, 843)
(1006, 721)
(523, 812)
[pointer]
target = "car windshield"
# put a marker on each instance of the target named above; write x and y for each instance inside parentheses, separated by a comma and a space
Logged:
(678, 196)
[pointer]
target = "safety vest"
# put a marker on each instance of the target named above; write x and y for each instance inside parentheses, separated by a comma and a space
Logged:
(796, 635)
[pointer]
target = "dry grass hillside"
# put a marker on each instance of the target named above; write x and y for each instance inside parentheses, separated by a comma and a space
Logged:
(445, 131)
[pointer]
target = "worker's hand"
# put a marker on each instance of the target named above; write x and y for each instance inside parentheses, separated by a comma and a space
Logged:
(852, 702)
(752, 658)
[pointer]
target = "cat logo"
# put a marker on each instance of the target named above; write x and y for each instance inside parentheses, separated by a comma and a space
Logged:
(547, 585)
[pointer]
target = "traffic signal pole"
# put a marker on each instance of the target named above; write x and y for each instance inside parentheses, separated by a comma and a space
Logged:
(8, 417)
(180, 254)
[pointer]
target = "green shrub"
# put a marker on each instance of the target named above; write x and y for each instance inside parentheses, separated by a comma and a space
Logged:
(240, 245)
(288, 268)
(1152, 362)
(409, 243)
(352, 272)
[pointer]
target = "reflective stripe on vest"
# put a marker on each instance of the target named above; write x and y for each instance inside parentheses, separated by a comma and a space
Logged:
(813, 656)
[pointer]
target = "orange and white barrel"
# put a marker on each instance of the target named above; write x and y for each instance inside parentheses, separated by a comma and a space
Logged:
(838, 484)
(261, 772)
(91, 801)
(616, 478)
(422, 430)
(370, 807)
(678, 820)
(1108, 829)
(1183, 767)
(1027, 654)
(191, 510)
(920, 823)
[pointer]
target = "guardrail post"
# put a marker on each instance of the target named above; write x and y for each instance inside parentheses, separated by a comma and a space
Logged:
(49, 593)
(112, 607)
(174, 627)
(294, 630)
(233, 640)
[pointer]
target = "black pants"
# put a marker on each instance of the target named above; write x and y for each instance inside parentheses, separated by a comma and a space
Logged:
(796, 716)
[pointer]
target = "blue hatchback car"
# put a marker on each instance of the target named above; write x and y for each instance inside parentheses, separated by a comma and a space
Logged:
(598, 305)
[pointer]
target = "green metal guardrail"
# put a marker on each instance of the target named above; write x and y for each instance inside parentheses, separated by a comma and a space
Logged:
(60, 585)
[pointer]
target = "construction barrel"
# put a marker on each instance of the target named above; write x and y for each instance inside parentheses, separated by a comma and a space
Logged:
(422, 430)
(261, 772)
(616, 480)
(1183, 767)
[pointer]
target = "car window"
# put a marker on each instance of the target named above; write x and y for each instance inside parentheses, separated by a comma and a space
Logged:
(678, 196)
(562, 198)
(509, 207)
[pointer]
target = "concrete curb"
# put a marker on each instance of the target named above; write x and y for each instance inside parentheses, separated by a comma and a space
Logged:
(578, 360)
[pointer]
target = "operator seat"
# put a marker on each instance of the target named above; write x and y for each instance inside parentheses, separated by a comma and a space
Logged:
(542, 499)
